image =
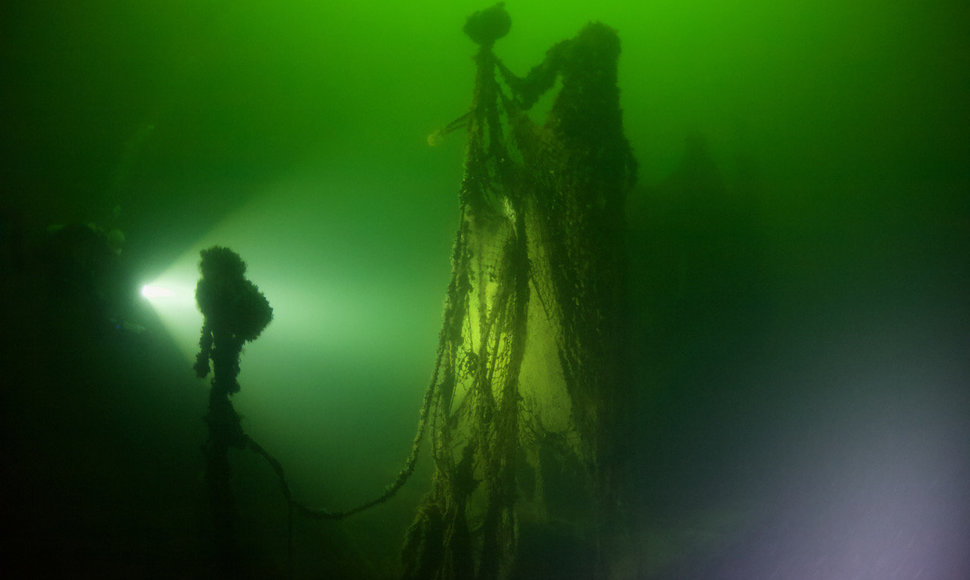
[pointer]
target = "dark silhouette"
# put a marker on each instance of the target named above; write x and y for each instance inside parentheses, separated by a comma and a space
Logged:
(235, 312)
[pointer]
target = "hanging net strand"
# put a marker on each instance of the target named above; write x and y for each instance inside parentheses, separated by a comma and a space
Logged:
(527, 398)
(235, 312)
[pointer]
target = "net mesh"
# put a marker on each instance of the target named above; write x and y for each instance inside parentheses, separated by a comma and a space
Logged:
(526, 400)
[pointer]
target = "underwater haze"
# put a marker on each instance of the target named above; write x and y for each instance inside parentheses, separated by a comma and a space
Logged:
(798, 243)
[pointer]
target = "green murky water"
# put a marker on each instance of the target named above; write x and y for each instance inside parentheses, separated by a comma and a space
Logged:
(798, 247)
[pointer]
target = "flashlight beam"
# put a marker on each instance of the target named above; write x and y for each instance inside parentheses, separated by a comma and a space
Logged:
(153, 292)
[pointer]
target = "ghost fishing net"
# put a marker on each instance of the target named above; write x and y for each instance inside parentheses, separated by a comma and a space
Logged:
(526, 401)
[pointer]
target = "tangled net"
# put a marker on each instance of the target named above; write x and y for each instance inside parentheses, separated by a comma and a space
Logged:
(525, 405)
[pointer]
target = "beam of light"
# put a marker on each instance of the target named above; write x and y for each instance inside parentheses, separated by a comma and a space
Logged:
(172, 297)
(347, 298)
(152, 292)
